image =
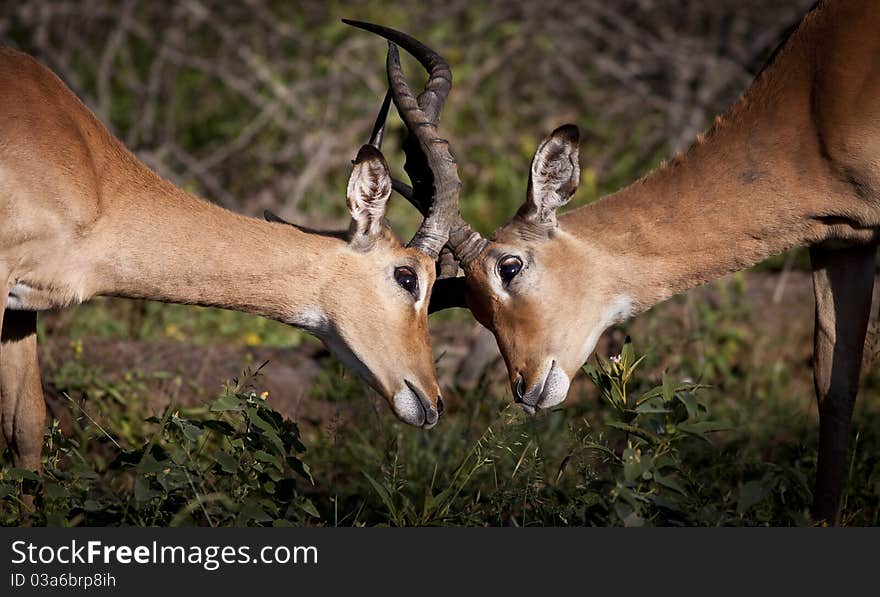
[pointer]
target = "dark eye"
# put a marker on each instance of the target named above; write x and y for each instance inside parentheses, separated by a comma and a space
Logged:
(407, 280)
(509, 267)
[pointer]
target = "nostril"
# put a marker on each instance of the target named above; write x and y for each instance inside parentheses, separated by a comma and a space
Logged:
(519, 389)
(429, 413)
(441, 408)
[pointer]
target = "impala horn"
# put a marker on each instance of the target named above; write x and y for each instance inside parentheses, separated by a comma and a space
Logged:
(430, 166)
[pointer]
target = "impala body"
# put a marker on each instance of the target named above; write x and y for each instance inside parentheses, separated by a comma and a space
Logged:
(796, 161)
(80, 216)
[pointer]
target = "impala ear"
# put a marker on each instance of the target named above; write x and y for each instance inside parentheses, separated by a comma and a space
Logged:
(554, 176)
(368, 191)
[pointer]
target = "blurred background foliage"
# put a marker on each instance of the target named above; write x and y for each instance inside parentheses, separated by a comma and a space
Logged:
(261, 104)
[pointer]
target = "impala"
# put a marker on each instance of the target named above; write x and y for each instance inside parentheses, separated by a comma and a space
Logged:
(82, 216)
(795, 162)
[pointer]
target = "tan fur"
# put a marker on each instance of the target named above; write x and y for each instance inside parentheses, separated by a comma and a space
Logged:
(795, 162)
(81, 216)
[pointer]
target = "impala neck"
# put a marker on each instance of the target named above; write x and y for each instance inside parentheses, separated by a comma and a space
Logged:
(755, 187)
(163, 244)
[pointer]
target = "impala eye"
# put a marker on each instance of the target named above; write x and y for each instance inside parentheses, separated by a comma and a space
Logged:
(509, 267)
(407, 279)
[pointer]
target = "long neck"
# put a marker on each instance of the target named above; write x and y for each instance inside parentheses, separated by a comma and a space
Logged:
(158, 242)
(756, 186)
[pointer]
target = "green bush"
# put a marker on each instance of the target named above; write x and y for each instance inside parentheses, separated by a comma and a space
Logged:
(649, 452)
(238, 464)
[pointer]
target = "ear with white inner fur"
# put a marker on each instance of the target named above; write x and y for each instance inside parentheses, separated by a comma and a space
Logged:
(368, 191)
(554, 176)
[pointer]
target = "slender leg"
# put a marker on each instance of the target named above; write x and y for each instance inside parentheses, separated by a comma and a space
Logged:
(22, 409)
(843, 280)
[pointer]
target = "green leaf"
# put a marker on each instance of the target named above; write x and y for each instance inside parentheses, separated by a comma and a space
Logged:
(652, 406)
(631, 369)
(617, 398)
(669, 483)
(142, 490)
(226, 402)
(301, 468)
(627, 354)
(228, 463)
(291, 437)
(690, 403)
(309, 508)
(21, 474)
(149, 464)
(281, 523)
(260, 422)
(652, 394)
(55, 491)
(664, 502)
(190, 431)
(668, 390)
(264, 456)
(383, 493)
(252, 510)
(221, 427)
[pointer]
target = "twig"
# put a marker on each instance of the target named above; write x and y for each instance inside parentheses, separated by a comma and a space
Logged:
(94, 422)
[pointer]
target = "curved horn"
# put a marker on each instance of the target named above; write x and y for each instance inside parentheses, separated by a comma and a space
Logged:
(379, 126)
(376, 136)
(429, 164)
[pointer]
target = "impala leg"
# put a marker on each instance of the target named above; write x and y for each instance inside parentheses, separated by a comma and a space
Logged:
(22, 409)
(843, 280)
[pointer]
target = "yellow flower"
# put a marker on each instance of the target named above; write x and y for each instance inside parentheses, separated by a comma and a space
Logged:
(173, 332)
(589, 180)
(264, 395)
(252, 339)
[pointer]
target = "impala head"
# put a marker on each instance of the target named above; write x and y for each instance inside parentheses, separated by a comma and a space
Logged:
(377, 322)
(539, 289)
(434, 191)
(385, 338)
(373, 303)
(536, 287)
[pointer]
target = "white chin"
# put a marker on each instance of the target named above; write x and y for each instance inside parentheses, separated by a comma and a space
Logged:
(409, 409)
(555, 388)
(547, 393)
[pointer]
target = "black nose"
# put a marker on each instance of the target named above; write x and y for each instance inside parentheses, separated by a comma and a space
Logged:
(519, 389)
(441, 408)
